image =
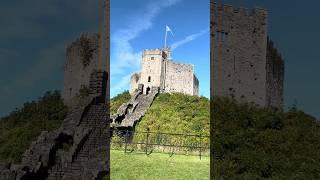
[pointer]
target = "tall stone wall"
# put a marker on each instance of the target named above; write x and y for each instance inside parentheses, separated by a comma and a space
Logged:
(239, 53)
(275, 76)
(151, 72)
(179, 78)
(157, 70)
(82, 57)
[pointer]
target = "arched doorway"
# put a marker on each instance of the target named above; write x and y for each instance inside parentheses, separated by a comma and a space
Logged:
(148, 90)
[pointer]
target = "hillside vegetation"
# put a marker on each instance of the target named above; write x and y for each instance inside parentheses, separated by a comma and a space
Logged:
(118, 100)
(173, 113)
(248, 142)
(256, 143)
(22, 126)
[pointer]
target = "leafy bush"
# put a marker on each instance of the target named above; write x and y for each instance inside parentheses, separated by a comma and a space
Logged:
(118, 100)
(172, 113)
(22, 126)
(254, 143)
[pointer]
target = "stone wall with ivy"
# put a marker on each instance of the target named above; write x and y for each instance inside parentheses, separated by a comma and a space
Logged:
(82, 58)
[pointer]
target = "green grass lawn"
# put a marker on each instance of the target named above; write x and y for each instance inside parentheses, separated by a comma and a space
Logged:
(158, 166)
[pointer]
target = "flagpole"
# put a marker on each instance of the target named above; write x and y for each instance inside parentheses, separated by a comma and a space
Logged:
(165, 38)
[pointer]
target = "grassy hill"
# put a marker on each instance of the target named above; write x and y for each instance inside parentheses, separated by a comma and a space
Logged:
(22, 126)
(174, 113)
(248, 142)
(256, 143)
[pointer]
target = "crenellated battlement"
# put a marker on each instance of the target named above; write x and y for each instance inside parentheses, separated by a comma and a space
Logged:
(256, 12)
(152, 51)
(248, 67)
(159, 70)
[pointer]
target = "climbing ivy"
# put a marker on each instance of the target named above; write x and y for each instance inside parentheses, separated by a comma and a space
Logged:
(86, 50)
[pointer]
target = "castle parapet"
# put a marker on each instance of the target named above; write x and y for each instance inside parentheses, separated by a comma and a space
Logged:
(260, 12)
(152, 51)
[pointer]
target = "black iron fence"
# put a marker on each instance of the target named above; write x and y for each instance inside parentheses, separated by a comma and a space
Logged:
(149, 142)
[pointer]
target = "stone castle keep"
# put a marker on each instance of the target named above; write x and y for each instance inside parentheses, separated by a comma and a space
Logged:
(158, 70)
(245, 64)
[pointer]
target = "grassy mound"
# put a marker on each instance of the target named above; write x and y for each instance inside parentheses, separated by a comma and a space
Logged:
(174, 113)
(118, 100)
(254, 143)
(177, 113)
(24, 125)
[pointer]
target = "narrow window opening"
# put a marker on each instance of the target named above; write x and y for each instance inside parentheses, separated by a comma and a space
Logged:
(149, 79)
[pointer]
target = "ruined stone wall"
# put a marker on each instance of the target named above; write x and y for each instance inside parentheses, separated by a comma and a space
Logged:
(239, 53)
(82, 57)
(134, 82)
(179, 78)
(275, 77)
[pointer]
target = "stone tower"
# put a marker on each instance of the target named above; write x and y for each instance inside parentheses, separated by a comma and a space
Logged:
(158, 70)
(243, 59)
(152, 68)
(86, 54)
(82, 57)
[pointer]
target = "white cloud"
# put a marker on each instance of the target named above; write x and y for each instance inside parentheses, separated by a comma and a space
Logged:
(124, 55)
(188, 39)
(120, 85)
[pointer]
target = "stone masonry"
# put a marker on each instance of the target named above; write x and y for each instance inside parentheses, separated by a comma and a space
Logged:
(129, 114)
(158, 70)
(245, 64)
(81, 58)
(79, 149)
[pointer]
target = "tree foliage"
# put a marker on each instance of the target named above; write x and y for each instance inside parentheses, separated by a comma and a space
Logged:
(118, 100)
(259, 143)
(22, 126)
(175, 113)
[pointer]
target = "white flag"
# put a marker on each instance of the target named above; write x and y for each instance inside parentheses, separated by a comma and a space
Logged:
(168, 29)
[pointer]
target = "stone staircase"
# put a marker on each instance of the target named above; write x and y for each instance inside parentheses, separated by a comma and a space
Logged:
(131, 112)
(79, 149)
(88, 146)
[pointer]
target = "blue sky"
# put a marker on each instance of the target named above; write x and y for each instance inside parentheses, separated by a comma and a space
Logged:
(33, 37)
(34, 34)
(139, 25)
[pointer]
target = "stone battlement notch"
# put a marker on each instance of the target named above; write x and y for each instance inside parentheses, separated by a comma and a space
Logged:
(159, 70)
